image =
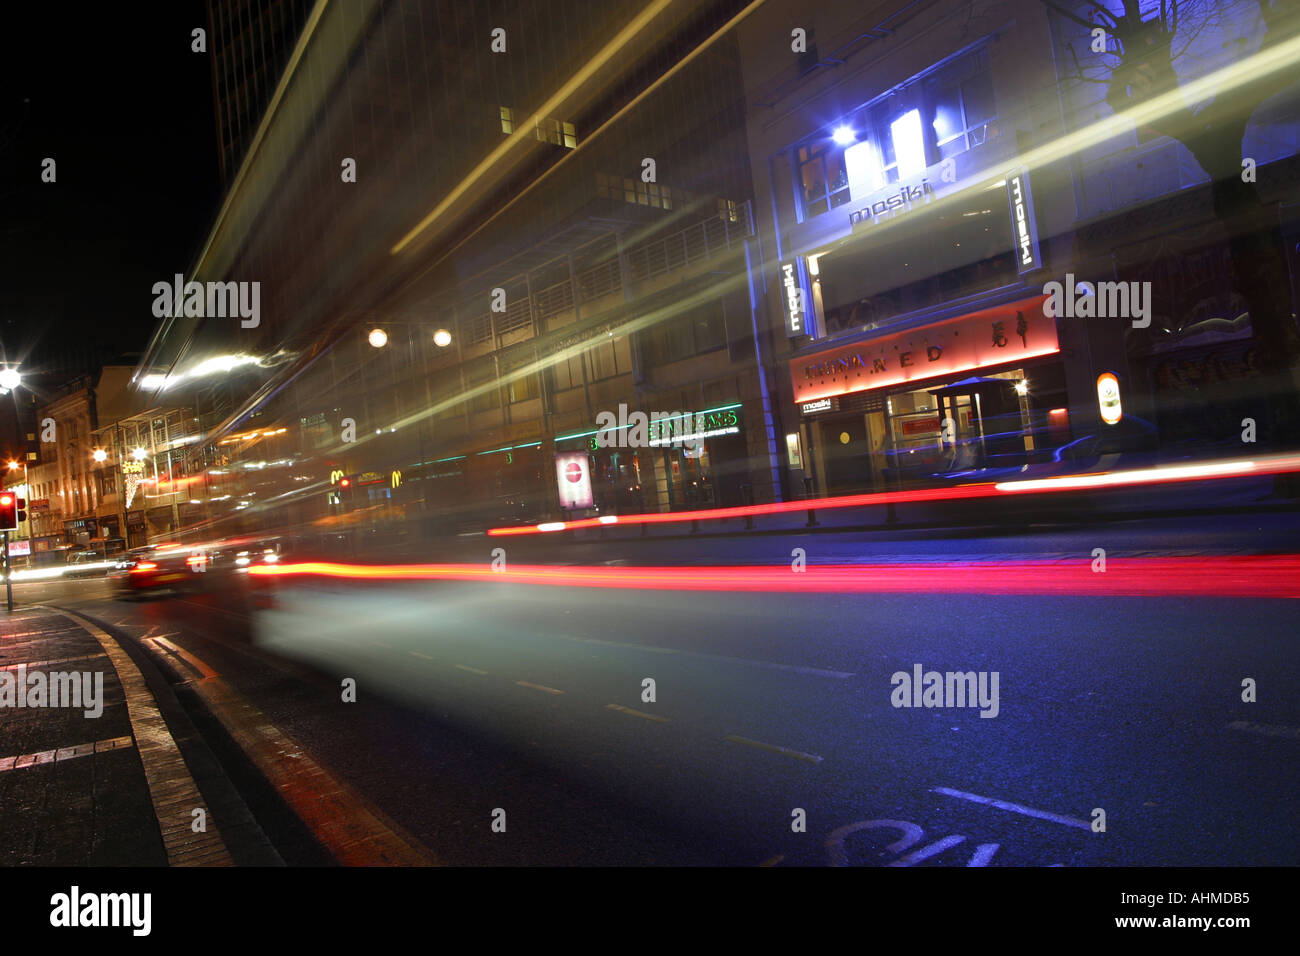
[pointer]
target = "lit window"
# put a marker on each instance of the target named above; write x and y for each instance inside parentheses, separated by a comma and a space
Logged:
(560, 134)
(909, 143)
(507, 120)
(822, 177)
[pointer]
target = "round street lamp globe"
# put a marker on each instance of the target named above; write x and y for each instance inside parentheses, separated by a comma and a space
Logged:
(139, 454)
(10, 379)
(442, 338)
(378, 338)
(100, 455)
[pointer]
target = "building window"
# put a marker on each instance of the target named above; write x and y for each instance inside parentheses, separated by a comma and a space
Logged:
(960, 98)
(557, 133)
(932, 117)
(507, 120)
(477, 377)
(822, 177)
(727, 209)
(524, 388)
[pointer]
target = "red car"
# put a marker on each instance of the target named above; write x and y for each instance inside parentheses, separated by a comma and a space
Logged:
(153, 570)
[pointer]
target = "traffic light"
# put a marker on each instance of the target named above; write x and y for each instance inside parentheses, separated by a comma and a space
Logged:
(21, 504)
(8, 511)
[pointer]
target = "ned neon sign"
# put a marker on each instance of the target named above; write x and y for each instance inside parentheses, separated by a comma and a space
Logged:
(998, 336)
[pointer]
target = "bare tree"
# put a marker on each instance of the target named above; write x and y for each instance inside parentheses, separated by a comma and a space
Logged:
(1139, 64)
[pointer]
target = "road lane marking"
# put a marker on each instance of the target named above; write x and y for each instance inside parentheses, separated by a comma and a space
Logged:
(772, 665)
(172, 790)
(542, 687)
(1014, 808)
(472, 670)
(934, 849)
(983, 853)
(189, 660)
(773, 748)
(1267, 730)
(636, 713)
(835, 842)
(418, 654)
(64, 753)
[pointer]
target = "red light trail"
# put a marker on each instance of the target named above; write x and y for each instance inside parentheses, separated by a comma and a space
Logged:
(1263, 576)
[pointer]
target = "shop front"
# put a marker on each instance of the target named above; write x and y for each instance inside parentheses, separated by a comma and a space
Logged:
(665, 461)
(980, 391)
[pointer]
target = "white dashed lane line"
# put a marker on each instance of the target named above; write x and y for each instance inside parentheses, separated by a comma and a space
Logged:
(1015, 808)
(472, 670)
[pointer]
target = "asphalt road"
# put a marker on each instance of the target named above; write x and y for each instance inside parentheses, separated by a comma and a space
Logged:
(474, 698)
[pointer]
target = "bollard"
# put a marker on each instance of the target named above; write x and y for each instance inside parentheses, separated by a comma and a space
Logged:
(808, 493)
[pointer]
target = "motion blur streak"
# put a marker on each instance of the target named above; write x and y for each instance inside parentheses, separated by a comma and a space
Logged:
(1272, 465)
(1275, 576)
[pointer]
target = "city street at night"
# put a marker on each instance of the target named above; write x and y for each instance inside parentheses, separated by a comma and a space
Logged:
(452, 450)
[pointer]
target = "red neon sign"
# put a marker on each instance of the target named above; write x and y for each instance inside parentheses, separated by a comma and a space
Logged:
(998, 336)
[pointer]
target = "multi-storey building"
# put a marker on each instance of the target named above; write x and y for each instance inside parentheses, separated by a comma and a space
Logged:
(928, 169)
(568, 201)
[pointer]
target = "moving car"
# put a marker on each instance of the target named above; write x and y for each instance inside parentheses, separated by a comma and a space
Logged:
(153, 570)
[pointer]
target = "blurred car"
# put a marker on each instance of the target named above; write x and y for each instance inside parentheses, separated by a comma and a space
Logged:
(153, 570)
(87, 564)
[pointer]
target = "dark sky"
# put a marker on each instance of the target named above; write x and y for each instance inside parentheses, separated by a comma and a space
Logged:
(113, 93)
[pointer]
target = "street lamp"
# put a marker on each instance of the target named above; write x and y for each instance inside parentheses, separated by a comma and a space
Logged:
(442, 338)
(378, 338)
(100, 455)
(139, 454)
(10, 378)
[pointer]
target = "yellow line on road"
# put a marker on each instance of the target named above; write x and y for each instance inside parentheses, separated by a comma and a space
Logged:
(636, 713)
(773, 748)
(549, 690)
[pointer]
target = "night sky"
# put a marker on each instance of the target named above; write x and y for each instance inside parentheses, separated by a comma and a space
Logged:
(114, 94)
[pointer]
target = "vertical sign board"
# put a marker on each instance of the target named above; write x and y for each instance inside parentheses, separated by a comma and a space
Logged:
(573, 475)
(795, 297)
(1024, 230)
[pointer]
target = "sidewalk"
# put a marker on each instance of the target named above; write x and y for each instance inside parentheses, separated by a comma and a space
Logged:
(90, 774)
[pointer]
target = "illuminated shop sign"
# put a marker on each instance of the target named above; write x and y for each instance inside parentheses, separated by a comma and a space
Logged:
(796, 298)
(573, 475)
(1008, 333)
(1023, 229)
(903, 199)
(1108, 398)
(711, 424)
(821, 405)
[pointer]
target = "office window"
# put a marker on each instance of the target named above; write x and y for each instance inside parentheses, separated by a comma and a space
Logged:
(960, 98)
(558, 133)
(822, 177)
(507, 120)
(476, 377)
(525, 387)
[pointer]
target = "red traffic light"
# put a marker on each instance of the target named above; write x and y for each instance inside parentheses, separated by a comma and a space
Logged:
(8, 511)
(345, 482)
